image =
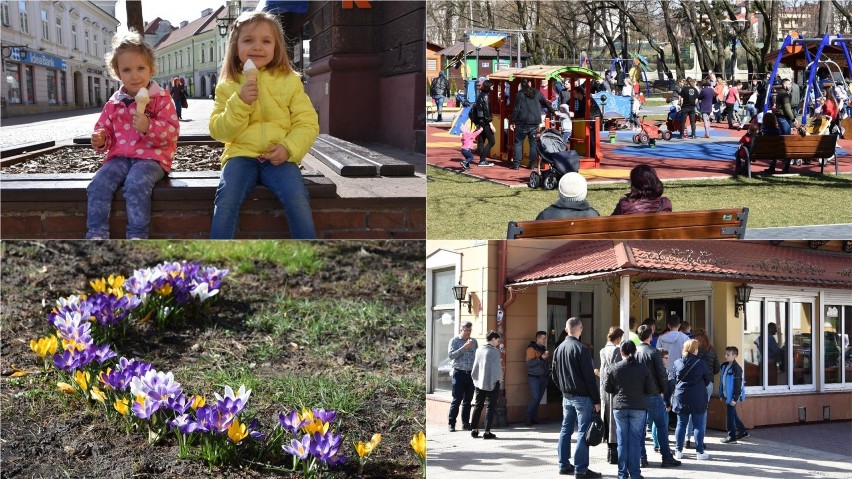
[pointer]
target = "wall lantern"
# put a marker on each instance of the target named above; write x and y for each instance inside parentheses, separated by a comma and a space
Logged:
(459, 292)
(743, 295)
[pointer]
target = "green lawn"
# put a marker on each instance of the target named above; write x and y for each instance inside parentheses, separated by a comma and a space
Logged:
(462, 207)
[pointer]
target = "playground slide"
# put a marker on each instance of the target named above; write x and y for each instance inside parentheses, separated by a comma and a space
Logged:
(460, 120)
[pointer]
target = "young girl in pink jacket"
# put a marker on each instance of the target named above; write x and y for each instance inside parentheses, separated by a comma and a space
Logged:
(467, 140)
(138, 130)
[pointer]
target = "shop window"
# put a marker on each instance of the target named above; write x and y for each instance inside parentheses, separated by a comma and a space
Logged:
(836, 347)
(13, 79)
(778, 339)
(25, 23)
(30, 85)
(444, 328)
(52, 89)
(98, 98)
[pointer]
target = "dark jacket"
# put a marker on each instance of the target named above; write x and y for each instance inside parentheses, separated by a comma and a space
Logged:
(692, 377)
(527, 110)
(567, 209)
(439, 86)
(627, 206)
(573, 370)
(631, 383)
(484, 107)
(711, 359)
(650, 357)
(535, 365)
(784, 106)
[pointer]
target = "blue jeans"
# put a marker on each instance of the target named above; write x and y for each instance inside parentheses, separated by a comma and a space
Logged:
(522, 132)
(579, 409)
(439, 102)
(139, 177)
(462, 394)
(659, 419)
(538, 385)
(734, 424)
(689, 425)
(783, 125)
(699, 420)
(240, 175)
(630, 429)
(468, 156)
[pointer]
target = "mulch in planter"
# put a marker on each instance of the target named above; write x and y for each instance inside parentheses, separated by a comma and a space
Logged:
(85, 160)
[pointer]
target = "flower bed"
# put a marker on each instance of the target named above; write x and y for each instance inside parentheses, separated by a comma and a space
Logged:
(139, 398)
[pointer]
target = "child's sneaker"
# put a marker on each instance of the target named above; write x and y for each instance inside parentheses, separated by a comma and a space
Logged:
(465, 167)
(678, 455)
(729, 440)
(703, 456)
(485, 163)
(743, 434)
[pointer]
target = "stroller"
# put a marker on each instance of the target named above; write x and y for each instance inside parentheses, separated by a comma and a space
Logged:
(554, 160)
(674, 120)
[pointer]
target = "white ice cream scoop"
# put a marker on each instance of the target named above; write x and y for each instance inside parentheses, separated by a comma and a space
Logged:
(142, 100)
(250, 71)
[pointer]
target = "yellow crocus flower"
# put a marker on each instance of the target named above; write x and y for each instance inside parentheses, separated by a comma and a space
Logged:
(306, 415)
(361, 449)
(197, 402)
(66, 388)
(116, 281)
(122, 406)
(69, 344)
(98, 285)
(418, 443)
(82, 379)
(98, 395)
(316, 426)
(237, 432)
(374, 441)
(165, 290)
(44, 345)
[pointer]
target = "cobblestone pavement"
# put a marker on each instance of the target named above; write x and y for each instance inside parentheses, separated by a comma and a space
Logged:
(63, 127)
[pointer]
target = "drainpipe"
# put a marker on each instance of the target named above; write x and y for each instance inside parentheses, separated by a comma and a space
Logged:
(502, 417)
(624, 304)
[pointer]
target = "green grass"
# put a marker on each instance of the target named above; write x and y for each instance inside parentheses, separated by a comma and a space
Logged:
(245, 255)
(462, 207)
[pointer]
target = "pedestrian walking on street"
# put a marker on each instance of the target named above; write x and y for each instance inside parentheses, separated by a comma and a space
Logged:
(267, 123)
(573, 373)
(179, 96)
(480, 114)
(537, 374)
(462, 352)
(487, 373)
(630, 384)
(689, 401)
(610, 354)
(138, 131)
(707, 354)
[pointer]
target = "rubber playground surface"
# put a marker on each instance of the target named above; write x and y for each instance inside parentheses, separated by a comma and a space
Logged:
(675, 159)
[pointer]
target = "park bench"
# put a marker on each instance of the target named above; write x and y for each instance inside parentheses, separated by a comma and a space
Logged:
(793, 147)
(709, 224)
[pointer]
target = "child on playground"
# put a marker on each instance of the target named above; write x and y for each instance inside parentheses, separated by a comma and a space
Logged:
(731, 392)
(467, 139)
(138, 130)
(267, 123)
(745, 144)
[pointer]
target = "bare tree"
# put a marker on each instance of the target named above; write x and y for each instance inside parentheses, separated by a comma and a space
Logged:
(134, 16)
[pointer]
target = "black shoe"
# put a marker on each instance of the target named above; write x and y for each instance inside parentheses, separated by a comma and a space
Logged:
(467, 427)
(743, 434)
(670, 462)
(485, 163)
(489, 435)
(729, 440)
(567, 471)
(465, 167)
(656, 449)
(528, 423)
(589, 474)
(515, 167)
(689, 445)
(452, 428)
(644, 463)
(474, 433)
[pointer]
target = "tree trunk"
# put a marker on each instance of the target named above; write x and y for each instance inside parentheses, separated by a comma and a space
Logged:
(842, 11)
(134, 16)
(673, 41)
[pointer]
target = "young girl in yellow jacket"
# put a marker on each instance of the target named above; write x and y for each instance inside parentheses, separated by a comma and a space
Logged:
(267, 123)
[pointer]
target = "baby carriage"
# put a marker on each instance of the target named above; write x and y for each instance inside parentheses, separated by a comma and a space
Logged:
(651, 131)
(554, 160)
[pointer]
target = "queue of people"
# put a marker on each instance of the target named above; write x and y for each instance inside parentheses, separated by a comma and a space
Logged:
(635, 387)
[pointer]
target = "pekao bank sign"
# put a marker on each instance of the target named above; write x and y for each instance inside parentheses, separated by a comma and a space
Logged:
(40, 59)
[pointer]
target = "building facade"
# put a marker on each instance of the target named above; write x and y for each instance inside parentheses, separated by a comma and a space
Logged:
(801, 300)
(54, 55)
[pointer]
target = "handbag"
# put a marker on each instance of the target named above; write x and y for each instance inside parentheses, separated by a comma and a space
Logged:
(595, 432)
(184, 103)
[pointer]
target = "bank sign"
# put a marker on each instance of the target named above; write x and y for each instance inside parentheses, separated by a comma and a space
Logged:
(40, 59)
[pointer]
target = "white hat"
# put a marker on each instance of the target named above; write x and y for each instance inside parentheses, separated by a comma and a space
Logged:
(572, 187)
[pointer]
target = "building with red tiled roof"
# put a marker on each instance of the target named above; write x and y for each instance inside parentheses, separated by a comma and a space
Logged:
(520, 287)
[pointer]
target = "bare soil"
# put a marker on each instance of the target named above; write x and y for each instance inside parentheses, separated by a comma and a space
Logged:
(188, 158)
(60, 437)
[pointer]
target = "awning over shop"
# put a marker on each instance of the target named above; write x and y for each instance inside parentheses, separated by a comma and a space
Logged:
(707, 260)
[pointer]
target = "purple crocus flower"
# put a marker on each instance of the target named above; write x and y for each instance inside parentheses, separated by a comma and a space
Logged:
(326, 447)
(184, 424)
(291, 422)
(72, 359)
(102, 353)
(300, 449)
(178, 404)
(324, 415)
(146, 409)
(156, 386)
(254, 431)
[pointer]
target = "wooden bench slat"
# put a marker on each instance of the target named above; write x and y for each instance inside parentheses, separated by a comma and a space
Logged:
(710, 224)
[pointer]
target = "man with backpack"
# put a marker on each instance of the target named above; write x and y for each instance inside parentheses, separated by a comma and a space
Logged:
(732, 391)
(438, 91)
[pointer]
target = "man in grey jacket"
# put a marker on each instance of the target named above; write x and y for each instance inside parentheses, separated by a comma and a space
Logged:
(462, 352)
(650, 357)
(573, 373)
(672, 341)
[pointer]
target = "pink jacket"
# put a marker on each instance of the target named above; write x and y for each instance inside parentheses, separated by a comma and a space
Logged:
(122, 140)
(468, 137)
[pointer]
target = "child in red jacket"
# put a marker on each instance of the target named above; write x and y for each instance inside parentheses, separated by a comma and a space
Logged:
(745, 144)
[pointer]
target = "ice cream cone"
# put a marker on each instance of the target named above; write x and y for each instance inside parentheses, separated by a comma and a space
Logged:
(250, 71)
(142, 100)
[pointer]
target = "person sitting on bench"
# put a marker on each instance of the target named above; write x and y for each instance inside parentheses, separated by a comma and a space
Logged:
(646, 194)
(572, 200)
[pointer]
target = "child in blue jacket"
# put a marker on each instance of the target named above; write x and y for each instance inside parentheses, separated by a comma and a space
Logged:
(731, 391)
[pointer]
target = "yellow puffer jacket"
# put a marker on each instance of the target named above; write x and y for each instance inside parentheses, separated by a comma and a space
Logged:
(282, 114)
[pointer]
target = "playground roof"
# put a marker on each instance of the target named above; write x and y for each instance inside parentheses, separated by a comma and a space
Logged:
(544, 72)
(797, 60)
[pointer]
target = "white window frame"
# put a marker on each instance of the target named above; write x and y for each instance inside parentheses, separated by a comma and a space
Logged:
(438, 261)
(832, 298)
(88, 45)
(74, 38)
(59, 29)
(687, 290)
(5, 15)
(45, 24)
(22, 13)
